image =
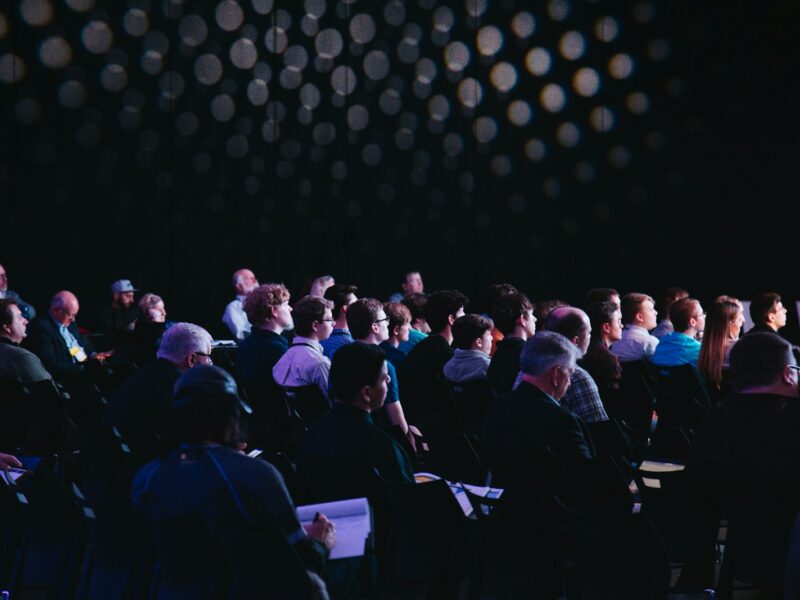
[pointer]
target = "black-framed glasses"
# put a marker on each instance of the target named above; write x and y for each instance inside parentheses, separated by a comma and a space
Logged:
(327, 321)
(794, 367)
(381, 320)
(204, 355)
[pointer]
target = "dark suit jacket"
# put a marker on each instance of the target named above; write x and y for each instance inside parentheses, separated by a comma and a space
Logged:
(46, 342)
(423, 389)
(523, 428)
(504, 367)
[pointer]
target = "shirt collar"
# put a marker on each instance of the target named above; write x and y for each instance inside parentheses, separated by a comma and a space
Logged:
(300, 340)
(5, 340)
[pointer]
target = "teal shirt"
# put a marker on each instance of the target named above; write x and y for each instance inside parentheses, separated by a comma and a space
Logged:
(414, 338)
(676, 349)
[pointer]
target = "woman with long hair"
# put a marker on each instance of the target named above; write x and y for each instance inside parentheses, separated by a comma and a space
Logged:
(723, 325)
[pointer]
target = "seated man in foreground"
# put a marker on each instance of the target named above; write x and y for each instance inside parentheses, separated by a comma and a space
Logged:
(17, 363)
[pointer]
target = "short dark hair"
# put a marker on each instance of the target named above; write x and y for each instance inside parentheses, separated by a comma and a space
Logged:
(681, 312)
(398, 314)
(416, 303)
(441, 305)
(758, 359)
(667, 298)
(339, 293)
(507, 309)
(6, 316)
(307, 310)
(631, 305)
(542, 310)
(600, 313)
(762, 305)
(570, 324)
(469, 328)
(596, 295)
(354, 366)
(361, 314)
(494, 291)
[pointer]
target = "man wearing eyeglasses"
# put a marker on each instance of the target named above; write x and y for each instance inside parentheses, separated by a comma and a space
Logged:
(27, 310)
(304, 362)
(681, 347)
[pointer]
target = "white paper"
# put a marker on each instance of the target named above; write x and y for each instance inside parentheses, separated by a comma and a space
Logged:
(352, 521)
(458, 490)
(660, 467)
(13, 474)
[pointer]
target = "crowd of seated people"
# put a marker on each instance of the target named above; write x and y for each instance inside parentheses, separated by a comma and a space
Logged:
(391, 375)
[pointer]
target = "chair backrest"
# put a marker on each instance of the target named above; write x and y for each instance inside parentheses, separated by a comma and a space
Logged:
(15, 411)
(682, 399)
(453, 457)
(610, 441)
(637, 394)
(470, 400)
(262, 564)
(306, 402)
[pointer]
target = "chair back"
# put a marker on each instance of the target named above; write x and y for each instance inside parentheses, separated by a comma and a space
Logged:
(306, 402)
(453, 456)
(637, 394)
(470, 400)
(682, 398)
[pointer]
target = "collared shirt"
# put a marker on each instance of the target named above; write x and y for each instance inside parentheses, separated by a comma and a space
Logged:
(393, 355)
(467, 365)
(663, 328)
(636, 344)
(339, 337)
(583, 398)
(75, 349)
(676, 349)
(303, 364)
(236, 319)
(414, 337)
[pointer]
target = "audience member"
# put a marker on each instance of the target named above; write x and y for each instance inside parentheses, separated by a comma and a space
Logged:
(7, 461)
(206, 476)
(421, 376)
(412, 284)
(304, 363)
(419, 325)
(235, 317)
(320, 285)
(681, 346)
(596, 295)
(27, 309)
(767, 313)
(118, 320)
(544, 308)
(150, 326)
(667, 299)
(399, 327)
(140, 406)
(599, 361)
(267, 308)
(638, 317)
(472, 340)
(359, 383)
(582, 397)
(17, 363)
(369, 324)
(56, 340)
(490, 295)
(513, 316)
(342, 296)
(723, 326)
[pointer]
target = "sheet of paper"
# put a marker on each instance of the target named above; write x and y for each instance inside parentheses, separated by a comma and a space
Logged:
(660, 467)
(352, 521)
(13, 474)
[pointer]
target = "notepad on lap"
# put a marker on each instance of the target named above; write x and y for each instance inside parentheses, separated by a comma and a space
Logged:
(353, 523)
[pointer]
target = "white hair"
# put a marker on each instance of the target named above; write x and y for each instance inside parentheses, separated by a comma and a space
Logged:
(546, 350)
(180, 340)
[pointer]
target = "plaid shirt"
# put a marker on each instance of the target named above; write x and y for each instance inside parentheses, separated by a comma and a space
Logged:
(583, 398)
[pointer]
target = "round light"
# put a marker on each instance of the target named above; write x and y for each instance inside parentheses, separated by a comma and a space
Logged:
(328, 43)
(362, 28)
(136, 22)
(523, 24)
(490, 40)
(519, 113)
(456, 56)
(484, 129)
(257, 92)
(36, 12)
(538, 61)
(192, 30)
(503, 76)
(343, 80)
(552, 97)
(113, 78)
(586, 82)
(470, 92)
(357, 117)
(12, 69)
(620, 66)
(601, 119)
(572, 45)
(606, 29)
(229, 15)
(223, 108)
(208, 69)
(376, 65)
(568, 135)
(276, 40)
(243, 54)
(535, 149)
(55, 52)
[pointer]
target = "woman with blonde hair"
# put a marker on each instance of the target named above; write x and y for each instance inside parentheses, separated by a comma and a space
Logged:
(723, 326)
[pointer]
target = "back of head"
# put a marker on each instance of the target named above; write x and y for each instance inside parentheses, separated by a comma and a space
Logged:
(716, 338)
(600, 313)
(206, 408)
(546, 350)
(441, 305)
(568, 321)
(507, 311)
(596, 295)
(494, 291)
(307, 310)
(182, 339)
(762, 305)
(354, 366)
(397, 313)
(361, 314)
(758, 359)
(469, 328)
(682, 311)
(667, 298)
(543, 309)
(259, 302)
(148, 301)
(416, 303)
(631, 305)
(339, 294)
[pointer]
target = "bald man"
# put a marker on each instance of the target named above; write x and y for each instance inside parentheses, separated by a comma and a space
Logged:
(582, 397)
(244, 281)
(56, 340)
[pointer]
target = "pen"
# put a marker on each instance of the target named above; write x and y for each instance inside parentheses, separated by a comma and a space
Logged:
(316, 517)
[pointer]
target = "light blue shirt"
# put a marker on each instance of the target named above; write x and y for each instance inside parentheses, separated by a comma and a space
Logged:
(69, 340)
(676, 349)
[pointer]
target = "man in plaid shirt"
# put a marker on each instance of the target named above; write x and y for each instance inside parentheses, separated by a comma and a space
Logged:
(582, 397)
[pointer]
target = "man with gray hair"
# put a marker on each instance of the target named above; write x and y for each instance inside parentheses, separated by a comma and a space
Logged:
(523, 427)
(139, 408)
(582, 397)
(244, 282)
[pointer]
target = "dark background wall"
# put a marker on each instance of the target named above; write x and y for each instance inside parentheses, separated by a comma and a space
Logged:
(559, 146)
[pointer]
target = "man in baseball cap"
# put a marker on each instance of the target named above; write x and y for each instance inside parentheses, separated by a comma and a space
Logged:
(118, 320)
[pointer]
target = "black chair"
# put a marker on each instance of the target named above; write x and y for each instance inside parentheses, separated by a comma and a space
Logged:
(453, 457)
(637, 395)
(262, 564)
(297, 487)
(470, 400)
(682, 398)
(306, 403)
(13, 415)
(613, 556)
(10, 531)
(610, 441)
(269, 426)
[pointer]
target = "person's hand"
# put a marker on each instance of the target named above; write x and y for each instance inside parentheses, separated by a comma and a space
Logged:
(7, 461)
(412, 434)
(323, 530)
(102, 356)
